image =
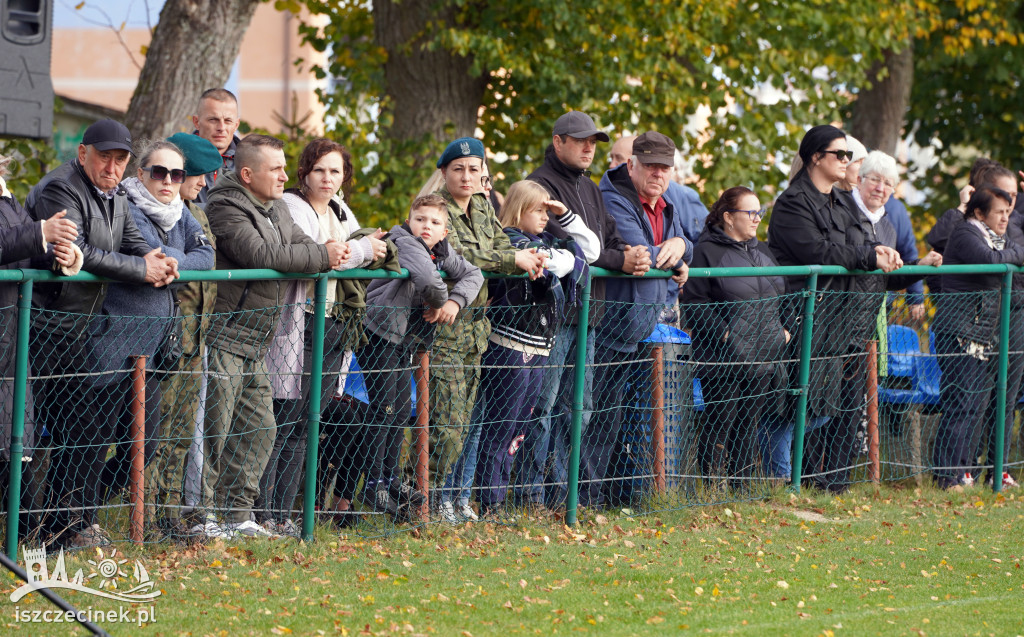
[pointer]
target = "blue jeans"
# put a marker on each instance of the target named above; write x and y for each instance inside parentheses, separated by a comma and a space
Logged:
(548, 432)
(775, 438)
(465, 466)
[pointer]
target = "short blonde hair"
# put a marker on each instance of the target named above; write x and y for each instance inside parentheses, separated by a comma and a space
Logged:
(521, 196)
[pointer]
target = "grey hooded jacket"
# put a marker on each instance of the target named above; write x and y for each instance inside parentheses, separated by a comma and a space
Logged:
(394, 308)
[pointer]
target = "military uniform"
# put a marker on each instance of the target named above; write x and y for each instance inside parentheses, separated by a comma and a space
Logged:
(457, 350)
(181, 405)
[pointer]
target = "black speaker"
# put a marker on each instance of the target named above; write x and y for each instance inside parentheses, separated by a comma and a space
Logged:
(26, 91)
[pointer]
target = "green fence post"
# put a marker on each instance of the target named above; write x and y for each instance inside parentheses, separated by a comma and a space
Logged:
(18, 417)
(579, 381)
(806, 332)
(316, 374)
(1001, 388)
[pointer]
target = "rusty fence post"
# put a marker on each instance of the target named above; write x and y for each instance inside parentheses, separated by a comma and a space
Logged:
(422, 446)
(658, 415)
(137, 480)
(875, 469)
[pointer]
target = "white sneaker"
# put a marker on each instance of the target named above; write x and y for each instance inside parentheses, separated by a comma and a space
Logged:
(446, 512)
(1008, 481)
(210, 529)
(967, 480)
(248, 529)
(468, 513)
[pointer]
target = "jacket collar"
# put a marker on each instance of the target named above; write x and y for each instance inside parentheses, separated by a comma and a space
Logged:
(441, 249)
(714, 234)
(559, 167)
(229, 182)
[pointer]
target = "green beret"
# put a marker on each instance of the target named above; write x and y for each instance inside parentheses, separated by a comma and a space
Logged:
(461, 147)
(201, 157)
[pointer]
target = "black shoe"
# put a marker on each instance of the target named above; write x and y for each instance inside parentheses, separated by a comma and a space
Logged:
(404, 493)
(380, 501)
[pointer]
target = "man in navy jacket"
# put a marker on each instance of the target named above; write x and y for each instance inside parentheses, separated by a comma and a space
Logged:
(633, 195)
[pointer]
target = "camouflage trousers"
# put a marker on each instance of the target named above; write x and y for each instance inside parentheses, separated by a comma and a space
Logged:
(454, 383)
(180, 409)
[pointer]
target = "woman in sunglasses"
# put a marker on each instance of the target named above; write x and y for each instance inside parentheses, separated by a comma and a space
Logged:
(813, 223)
(165, 223)
(737, 336)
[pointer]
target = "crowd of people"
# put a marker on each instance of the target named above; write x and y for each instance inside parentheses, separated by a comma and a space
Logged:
(230, 364)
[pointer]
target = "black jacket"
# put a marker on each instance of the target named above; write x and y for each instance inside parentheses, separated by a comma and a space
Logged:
(580, 194)
(808, 227)
(111, 244)
(734, 319)
(21, 240)
(969, 305)
(939, 235)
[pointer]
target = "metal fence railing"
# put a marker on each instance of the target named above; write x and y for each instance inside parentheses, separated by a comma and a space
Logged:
(810, 386)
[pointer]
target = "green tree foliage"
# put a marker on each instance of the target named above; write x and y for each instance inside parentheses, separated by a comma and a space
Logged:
(634, 66)
(966, 98)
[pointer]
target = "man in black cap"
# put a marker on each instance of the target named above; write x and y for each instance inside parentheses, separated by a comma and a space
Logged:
(566, 175)
(88, 189)
(634, 196)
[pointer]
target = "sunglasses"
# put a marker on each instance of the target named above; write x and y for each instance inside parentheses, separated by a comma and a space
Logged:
(159, 173)
(753, 214)
(841, 154)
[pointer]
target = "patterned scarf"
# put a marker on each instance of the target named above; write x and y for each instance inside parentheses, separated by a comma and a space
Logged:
(164, 215)
(995, 241)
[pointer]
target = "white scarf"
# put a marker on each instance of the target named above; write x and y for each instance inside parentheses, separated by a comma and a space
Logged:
(164, 215)
(873, 217)
(3, 189)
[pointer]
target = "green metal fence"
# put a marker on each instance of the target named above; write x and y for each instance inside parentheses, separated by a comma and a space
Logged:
(646, 435)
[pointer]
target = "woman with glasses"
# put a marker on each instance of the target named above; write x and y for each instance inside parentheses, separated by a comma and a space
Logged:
(737, 336)
(157, 210)
(813, 223)
(966, 320)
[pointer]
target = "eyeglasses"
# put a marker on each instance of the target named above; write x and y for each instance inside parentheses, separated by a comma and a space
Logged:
(841, 154)
(875, 180)
(159, 173)
(753, 214)
(485, 181)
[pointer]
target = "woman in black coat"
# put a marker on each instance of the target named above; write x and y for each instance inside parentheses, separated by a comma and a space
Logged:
(737, 336)
(965, 326)
(813, 223)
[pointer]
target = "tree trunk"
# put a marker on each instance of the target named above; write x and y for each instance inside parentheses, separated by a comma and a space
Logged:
(194, 45)
(879, 110)
(430, 92)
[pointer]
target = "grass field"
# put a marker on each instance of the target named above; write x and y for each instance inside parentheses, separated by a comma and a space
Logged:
(885, 562)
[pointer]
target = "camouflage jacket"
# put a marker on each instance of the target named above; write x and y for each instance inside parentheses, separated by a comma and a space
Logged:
(477, 236)
(196, 299)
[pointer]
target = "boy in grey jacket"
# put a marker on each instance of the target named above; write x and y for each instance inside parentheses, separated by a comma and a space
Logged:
(400, 317)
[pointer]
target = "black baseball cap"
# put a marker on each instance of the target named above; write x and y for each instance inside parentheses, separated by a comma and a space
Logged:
(578, 125)
(108, 134)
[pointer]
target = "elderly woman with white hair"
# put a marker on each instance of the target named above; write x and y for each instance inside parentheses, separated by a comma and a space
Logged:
(879, 177)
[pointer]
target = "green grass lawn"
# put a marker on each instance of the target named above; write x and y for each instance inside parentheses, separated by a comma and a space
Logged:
(888, 562)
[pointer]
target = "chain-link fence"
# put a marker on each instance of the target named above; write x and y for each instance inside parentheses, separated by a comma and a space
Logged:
(271, 420)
